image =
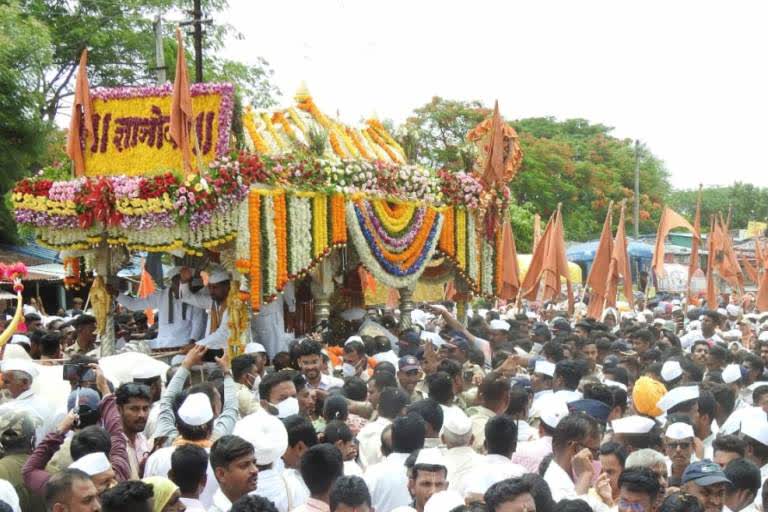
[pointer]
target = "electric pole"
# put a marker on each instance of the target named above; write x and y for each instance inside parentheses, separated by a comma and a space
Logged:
(637, 190)
(159, 52)
(197, 23)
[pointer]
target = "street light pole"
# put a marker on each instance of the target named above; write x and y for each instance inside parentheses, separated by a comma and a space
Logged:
(637, 190)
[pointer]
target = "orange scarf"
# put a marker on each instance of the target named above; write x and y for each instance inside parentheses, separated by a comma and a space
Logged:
(217, 313)
(204, 443)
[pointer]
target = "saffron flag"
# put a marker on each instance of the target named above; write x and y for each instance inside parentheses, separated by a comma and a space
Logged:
(750, 270)
(620, 265)
(536, 230)
(493, 174)
(181, 106)
(147, 288)
(726, 262)
(510, 273)
(598, 274)
(669, 221)
(711, 286)
(693, 265)
(82, 118)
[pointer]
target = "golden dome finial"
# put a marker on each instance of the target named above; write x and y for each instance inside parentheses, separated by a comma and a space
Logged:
(302, 93)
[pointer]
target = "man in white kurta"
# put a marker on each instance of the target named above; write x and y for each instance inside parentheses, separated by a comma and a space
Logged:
(177, 322)
(18, 375)
(212, 299)
(268, 326)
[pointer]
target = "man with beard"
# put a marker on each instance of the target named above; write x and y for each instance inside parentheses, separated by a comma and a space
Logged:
(133, 404)
(707, 482)
(310, 358)
(234, 464)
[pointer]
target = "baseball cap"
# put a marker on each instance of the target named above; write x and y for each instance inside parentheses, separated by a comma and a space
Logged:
(591, 407)
(410, 336)
(408, 363)
(704, 473)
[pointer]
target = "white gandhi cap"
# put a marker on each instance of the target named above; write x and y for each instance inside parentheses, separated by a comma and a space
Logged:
(545, 368)
(92, 464)
(678, 396)
(255, 348)
(499, 325)
(218, 275)
(443, 500)
(266, 433)
(671, 370)
(731, 373)
(430, 457)
(457, 422)
(679, 431)
(756, 427)
(20, 365)
(632, 425)
(196, 410)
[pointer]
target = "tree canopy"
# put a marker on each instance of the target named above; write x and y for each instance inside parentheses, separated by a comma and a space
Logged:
(573, 162)
(748, 203)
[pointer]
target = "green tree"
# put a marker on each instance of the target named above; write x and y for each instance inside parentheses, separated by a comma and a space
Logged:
(748, 203)
(24, 56)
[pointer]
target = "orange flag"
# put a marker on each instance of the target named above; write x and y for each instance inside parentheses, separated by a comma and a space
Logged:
(620, 265)
(367, 281)
(693, 265)
(726, 261)
(181, 106)
(449, 292)
(762, 289)
(749, 269)
(759, 255)
(669, 221)
(82, 117)
(549, 264)
(493, 173)
(598, 273)
(510, 273)
(711, 250)
(147, 288)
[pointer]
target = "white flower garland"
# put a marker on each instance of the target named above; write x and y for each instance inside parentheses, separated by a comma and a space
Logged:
(473, 268)
(487, 285)
(369, 260)
(300, 236)
(243, 244)
(270, 272)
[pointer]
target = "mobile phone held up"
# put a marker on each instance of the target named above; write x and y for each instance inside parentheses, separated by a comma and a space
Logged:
(77, 372)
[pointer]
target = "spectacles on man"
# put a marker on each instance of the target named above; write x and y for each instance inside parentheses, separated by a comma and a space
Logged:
(625, 505)
(683, 445)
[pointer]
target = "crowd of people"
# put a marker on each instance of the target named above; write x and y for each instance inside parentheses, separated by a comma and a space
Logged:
(658, 407)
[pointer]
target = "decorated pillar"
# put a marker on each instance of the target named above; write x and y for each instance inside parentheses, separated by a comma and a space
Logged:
(101, 301)
(463, 294)
(322, 288)
(406, 306)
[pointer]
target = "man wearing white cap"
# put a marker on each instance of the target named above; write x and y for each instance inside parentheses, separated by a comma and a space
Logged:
(427, 477)
(460, 459)
(754, 430)
(678, 445)
(97, 466)
(214, 301)
(18, 375)
(269, 438)
(542, 380)
(177, 322)
(529, 454)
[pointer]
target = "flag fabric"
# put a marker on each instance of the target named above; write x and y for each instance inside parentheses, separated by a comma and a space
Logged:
(749, 269)
(670, 220)
(759, 254)
(711, 285)
(620, 265)
(81, 121)
(549, 264)
(597, 279)
(510, 273)
(449, 292)
(726, 261)
(146, 288)
(181, 107)
(693, 265)
(493, 174)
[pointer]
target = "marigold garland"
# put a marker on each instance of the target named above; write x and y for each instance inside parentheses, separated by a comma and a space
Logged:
(320, 224)
(498, 253)
(279, 118)
(461, 237)
(334, 140)
(282, 243)
(394, 217)
(382, 144)
(384, 134)
(447, 242)
(380, 153)
(339, 227)
(356, 141)
(297, 121)
(259, 144)
(271, 130)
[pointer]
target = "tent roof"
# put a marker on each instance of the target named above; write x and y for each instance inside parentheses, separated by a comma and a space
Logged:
(586, 251)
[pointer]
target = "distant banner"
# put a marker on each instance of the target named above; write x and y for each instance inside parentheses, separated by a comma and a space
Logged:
(132, 124)
(755, 228)
(675, 279)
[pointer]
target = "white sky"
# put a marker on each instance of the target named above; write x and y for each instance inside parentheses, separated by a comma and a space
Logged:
(687, 78)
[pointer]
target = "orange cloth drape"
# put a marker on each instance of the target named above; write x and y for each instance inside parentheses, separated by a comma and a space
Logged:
(620, 267)
(549, 264)
(82, 116)
(693, 265)
(147, 288)
(669, 221)
(711, 285)
(750, 269)
(493, 174)
(510, 273)
(181, 106)
(597, 280)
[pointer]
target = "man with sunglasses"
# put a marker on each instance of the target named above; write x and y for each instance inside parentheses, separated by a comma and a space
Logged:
(408, 376)
(678, 445)
(706, 481)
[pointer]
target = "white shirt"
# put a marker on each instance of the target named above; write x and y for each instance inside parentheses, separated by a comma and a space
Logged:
(562, 487)
(36, 406)
(525, 432)
(491, 469)
(388, 482)
(569, 396)
(9, 495)
(352, 468)
(688, 339)
(277, 489)
(185, 327)
(461, 462)
(203, 300)
(369, 439)
(193, 505)
(296, 482)
(220, 502)
(159, 463)
(326, 382)
(149, 428)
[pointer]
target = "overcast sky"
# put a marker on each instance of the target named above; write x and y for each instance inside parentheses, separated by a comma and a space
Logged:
(689, 79)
